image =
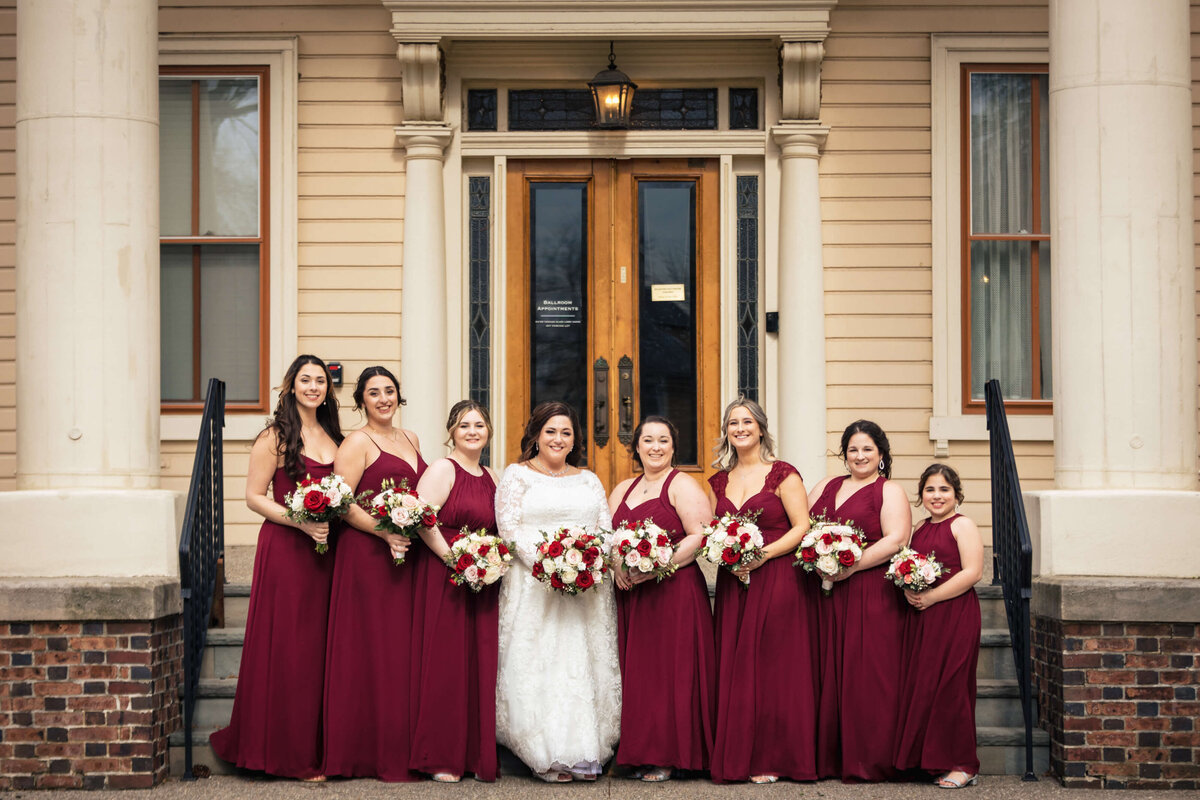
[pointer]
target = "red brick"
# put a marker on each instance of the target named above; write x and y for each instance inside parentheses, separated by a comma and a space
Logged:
(1181, 770)
(1082, 723)
(57, 657)
(1081, 754)
(1148, 628)
(1079, 629)
(1147, 660)
(23, 766)
(92, 702)
(1109, 677)
(57, 688)
(59, 781)
(1168, 645)
(59, 750)
(1149, 693)
(85, 672)
(1149, 754)
(1077, 693)
(21, 673)
(1077, 660)
(127, 628)
(56, 629)
(143, 781)
(1125, 768)
(130, 687)
(1179, 676)
(94, 643)
(141, 657)
(103, 765)
(1181, 739)
(61, 719)
(13, 735)
(1190, 709)
(93, 733)
(1112, 739)
(1111, 709)
(1147, 724)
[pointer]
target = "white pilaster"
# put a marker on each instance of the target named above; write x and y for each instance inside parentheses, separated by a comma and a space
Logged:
(1123, 291)
(87, 295)
(423, 332)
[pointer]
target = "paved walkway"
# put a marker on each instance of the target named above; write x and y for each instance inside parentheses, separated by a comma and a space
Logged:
(518, 788)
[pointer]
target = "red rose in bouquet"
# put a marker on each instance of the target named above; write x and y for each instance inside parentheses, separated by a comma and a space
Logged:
(315, 501)
(554, 549)
(584, 580)
(643, 547)
(464, 561)
(846, 558)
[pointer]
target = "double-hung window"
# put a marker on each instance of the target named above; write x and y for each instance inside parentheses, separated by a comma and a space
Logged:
(1005, 237)
(214, 223)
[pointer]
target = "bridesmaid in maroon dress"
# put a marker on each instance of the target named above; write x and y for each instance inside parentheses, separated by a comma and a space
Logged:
(664, 629)
(276, 722)
(766, 631)
(862, 623)
(941, 641)
(373, 631)
(455, 717)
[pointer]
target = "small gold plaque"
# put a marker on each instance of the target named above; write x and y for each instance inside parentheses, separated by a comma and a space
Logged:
(660, 292)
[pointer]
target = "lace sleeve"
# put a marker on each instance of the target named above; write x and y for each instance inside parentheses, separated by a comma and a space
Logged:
(779, 471)
(510, 498)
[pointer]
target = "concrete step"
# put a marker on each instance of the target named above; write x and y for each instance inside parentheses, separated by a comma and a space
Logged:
(222, 653)
(237, 604)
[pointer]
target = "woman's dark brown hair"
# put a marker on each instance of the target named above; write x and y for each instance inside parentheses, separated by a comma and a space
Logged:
(366, 375)
(877, 436)
(286, 419)
(542, 414)
(947, 472)
(637, 435)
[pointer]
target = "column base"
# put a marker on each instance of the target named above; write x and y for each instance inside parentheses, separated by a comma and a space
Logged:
(91, 690)
(1148, 533)
(109, 532)
(1115, 664)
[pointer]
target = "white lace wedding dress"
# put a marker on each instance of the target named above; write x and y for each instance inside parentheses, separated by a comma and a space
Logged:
(558, 692)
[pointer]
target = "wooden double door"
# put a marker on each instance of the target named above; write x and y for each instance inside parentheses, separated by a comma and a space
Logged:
(613, 302)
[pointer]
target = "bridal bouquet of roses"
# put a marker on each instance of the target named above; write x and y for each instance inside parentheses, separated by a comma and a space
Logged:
(324, 500)
(477, 559)
(399, 510)
(912, 570)
(570, 560)
(733, 541)
(827, 549)
(644, 547)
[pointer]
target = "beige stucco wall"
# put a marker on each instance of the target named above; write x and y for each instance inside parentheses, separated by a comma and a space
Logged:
(875, 184)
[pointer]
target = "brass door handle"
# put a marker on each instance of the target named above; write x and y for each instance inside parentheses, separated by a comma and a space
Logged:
(600, 402)
(625, 389)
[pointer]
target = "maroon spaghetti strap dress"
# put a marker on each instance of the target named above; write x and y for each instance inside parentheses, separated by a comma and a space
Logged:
(862, 626)
(941, 649)
(456, 683)
(766, 655)
(667, 654)
(276, 721)
(373, 642)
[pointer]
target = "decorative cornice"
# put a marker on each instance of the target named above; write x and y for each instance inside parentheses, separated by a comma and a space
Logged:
(422, 81)
(778, 20)
(800, 79)
(608, 144)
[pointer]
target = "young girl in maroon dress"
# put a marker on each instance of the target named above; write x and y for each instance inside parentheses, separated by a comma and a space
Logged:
(862, 622)
(664, 630)
(455, 730)
(941, 641)
(767, 630)
(374, 634)
(276, 722)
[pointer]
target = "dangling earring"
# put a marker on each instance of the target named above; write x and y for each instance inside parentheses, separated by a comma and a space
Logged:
(535, 448)
(880, 466)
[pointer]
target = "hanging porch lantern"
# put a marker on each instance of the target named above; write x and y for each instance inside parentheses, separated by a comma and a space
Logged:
(612, 92)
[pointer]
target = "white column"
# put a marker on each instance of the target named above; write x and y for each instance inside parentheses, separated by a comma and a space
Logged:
(801, 419)
(423, 351)
(87, 295)
(1124, 317)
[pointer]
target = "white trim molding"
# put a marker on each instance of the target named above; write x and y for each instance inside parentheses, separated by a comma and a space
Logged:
(280, 54)
(948, 53)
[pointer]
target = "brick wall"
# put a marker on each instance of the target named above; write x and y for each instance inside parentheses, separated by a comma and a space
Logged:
(1119, 700)
(88, 704)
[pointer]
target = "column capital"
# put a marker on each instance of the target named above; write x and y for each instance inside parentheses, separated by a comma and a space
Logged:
(800, 140)
(800, 79)
(424, 141)
(422, 80)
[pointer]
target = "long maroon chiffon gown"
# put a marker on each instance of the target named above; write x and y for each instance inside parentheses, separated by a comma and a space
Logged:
(374, 636)
(766, 654)
(862, 626)
(667, 655)
(941, 650)
(456, 697)
(276, 722)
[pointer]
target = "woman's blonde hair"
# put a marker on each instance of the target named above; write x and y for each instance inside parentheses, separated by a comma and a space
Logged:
(725, 456)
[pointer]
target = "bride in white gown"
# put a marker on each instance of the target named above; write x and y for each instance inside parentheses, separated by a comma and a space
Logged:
(558, 692)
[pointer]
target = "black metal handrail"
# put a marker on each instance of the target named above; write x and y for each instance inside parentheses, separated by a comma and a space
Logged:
(201, 545)
(1012, 555)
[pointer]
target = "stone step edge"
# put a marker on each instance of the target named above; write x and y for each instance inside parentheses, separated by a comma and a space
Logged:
(233, 637)
(984, 737)
(985, 591)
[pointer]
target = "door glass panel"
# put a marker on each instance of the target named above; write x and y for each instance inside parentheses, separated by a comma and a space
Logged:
(558, 261)
(667, 307)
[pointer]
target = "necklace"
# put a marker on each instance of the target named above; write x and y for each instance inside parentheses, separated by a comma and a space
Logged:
(648, 485)
(542, 469)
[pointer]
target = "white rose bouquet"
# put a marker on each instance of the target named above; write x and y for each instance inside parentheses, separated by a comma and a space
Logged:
(570, 560)
(644, 547)
(399, 510)
(477, 559)
(325, 500)
(733, 541)
(912, 570)
(827, 549)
